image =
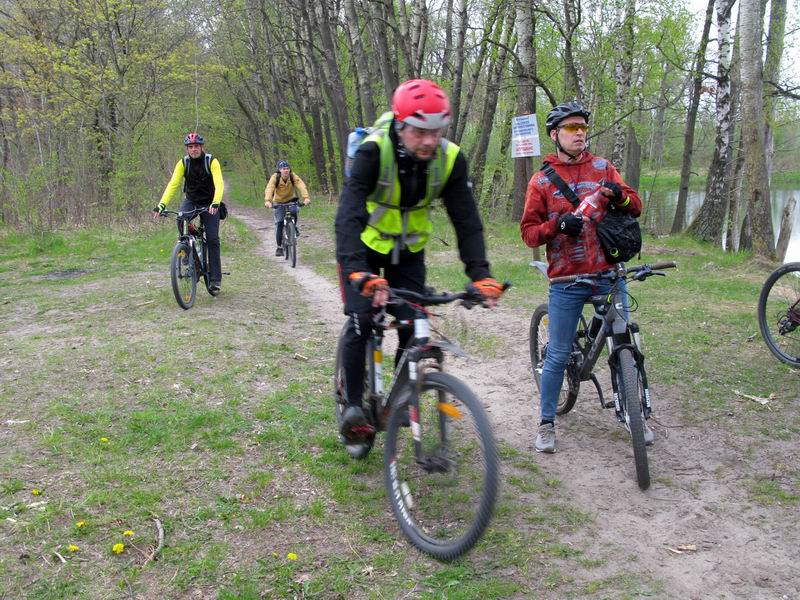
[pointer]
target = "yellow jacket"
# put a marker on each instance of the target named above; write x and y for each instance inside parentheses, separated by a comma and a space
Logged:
(280, 190)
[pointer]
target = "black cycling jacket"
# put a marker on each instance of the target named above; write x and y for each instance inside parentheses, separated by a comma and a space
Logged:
(352, 216)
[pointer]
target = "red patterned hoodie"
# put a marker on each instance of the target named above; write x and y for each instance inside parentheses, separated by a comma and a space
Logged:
(544, 204)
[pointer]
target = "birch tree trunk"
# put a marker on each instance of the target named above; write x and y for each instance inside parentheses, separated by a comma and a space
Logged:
(710, 222)
(362, 65)
(691, 118)
(754, 177)
(772, 65)
(623, 47)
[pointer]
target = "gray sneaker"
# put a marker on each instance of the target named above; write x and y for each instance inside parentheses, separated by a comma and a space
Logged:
(546, 440)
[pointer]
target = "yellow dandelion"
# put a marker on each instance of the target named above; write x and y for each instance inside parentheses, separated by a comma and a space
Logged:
(73, 548)
(103, 440)
(118, 548)
(291, 556)
(128, 533)
(80, 524)
(36, 492)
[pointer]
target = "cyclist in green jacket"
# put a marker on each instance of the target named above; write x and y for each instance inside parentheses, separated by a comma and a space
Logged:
(383, 221)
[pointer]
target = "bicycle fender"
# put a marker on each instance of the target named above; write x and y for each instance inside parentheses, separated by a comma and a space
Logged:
(450, 347)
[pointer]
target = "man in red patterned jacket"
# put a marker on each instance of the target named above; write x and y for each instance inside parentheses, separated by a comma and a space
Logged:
(572, 243)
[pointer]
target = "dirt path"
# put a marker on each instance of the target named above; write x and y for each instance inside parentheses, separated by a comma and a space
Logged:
(741, 549)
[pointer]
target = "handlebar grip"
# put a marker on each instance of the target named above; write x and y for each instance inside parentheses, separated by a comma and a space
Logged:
(670, 264)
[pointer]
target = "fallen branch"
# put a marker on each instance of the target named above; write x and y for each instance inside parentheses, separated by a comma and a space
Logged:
(761, 401)
(159, 545)
(61, 558)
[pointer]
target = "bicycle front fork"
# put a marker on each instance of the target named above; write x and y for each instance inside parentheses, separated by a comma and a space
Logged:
(638, 356)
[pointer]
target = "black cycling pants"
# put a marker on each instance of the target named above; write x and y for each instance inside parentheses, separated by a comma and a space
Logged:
(408, 274)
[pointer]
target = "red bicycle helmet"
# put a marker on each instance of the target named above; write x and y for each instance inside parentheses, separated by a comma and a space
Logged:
(421, 103)
(193, 138)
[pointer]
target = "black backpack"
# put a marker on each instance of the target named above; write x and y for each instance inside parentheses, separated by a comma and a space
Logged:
(187, 163)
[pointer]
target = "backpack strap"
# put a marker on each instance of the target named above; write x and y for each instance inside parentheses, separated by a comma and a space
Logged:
(209, 158)
(557, 181)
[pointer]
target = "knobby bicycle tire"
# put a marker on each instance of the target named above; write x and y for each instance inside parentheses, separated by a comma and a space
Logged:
(291, 244)
(356, 450)
(445, 511)
(537, 340)
(779, 311)
(632, 402)
(184, 275)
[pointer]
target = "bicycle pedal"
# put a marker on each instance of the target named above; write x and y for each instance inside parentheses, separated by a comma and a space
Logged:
(609, 404)
(226, 272)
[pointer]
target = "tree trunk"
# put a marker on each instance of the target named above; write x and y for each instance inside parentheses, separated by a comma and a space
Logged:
(526, 97)
(755, 180)
(496, 68)
(573, 86)
(785, 233)
(710, 222)
(455, 95)
(691, 118)
(623, 46)
(405, 39)
(380, 37)
(362, 65)
(772, 65)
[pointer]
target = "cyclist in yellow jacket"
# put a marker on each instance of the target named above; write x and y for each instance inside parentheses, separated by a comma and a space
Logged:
(202, 186)
(284, 187)
(383, 221)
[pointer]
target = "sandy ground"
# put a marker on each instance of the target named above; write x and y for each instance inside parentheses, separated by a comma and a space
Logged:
(741, 549)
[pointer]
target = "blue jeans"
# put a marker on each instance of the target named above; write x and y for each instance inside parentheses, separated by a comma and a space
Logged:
(565, 305)
(280, 211)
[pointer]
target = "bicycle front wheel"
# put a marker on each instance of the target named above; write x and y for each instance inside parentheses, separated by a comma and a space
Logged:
(290, 245)
(634, 418)
(184, 275)
(444, 497)
(538, 339)
(779, 313)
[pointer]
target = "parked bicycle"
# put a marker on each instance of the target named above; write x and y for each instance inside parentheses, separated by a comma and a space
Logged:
(779, 313)
(608, 328)
(189, 257)
(289, 236)
(440, 457)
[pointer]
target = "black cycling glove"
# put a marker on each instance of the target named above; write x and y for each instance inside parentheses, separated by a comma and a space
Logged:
(570, 224)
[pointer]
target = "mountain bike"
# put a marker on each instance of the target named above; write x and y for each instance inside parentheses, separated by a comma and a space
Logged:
(440, 456)
(189, 257)
(779, 313)
(608, 328)
(289, 237)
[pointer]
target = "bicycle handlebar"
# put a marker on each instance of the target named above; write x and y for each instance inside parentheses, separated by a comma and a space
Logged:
(614, 273)
(469, 297)
(296, 203)
(189, 214)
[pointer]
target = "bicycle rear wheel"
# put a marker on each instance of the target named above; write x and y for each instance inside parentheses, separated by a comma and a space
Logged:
(358, 449)
(290, 245)
(631, 399)
(184, 275)
(538, 338)
(444, 504)
(779, 313)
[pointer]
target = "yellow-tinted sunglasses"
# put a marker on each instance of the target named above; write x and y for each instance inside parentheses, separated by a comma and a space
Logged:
(575, 127)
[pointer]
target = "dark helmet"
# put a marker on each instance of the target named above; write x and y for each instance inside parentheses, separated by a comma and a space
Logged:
(283, 164)
(193, 138)
(562, 111)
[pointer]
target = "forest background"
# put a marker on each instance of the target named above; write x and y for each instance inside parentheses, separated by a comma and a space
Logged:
(95, 96)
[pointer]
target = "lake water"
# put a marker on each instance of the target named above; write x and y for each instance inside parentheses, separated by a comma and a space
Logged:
(659, 210)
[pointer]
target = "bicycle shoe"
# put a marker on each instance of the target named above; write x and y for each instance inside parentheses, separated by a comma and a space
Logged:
(296, 231)
(214, 287)
(354, 424)
(279, 251)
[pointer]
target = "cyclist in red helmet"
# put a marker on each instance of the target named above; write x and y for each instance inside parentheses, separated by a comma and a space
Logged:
(202, 186)
(383, 221)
